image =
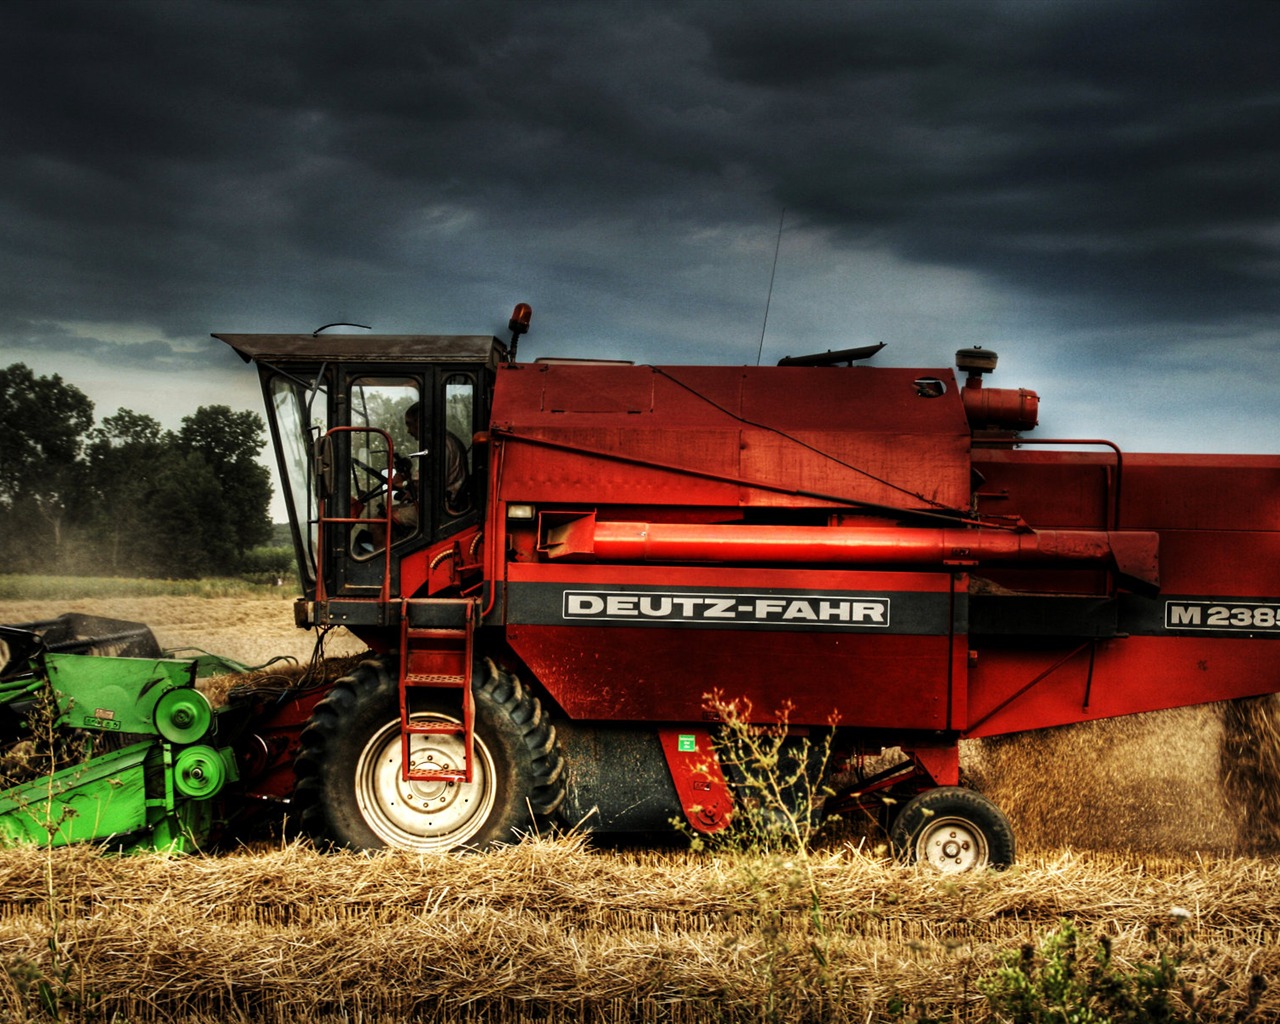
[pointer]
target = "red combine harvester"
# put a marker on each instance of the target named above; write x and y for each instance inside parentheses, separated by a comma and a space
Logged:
(556, 562)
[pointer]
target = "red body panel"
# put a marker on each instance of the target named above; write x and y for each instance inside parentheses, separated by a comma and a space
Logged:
(663, 495)
(726, 436)
(1123, 677)
(1216, 518)
(660, 661)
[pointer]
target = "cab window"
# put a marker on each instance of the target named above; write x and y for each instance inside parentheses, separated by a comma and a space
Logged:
(384, 462)
(459, 405)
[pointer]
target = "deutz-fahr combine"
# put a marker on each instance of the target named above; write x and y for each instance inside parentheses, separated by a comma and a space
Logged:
(564, 569)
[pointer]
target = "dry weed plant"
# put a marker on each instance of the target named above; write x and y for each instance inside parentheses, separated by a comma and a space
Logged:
(777, 775)
(41, 747)
(50, 985)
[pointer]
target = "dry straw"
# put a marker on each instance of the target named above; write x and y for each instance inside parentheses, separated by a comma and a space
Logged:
(551, 930)
(1250, 770)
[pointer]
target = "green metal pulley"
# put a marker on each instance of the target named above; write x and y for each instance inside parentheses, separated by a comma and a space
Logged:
(199, 772)
(183, 715)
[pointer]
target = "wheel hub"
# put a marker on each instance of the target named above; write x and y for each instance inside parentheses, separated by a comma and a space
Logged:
(953, 845)
(436, 814)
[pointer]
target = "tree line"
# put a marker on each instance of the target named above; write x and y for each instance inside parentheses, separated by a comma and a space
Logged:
(125, 496)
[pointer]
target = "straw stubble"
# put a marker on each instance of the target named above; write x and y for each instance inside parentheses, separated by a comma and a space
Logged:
(553, 929)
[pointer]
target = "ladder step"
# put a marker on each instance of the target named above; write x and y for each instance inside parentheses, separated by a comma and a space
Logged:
(416, 679)
(441, 729)
(450, 776)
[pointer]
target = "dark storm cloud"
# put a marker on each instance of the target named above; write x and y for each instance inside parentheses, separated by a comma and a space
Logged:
(182, 165)
(51, 338)
(1097, 151)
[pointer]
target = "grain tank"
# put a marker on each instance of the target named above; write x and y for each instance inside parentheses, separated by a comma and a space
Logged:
(566, 568)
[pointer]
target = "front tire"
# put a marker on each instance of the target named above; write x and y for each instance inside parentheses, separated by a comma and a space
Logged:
(953, 830)
(350, 790)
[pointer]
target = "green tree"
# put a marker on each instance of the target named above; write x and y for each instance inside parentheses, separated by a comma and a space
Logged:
(142, 499)
(190, 531)
(125, 456)
(228, 443)
(44, 421)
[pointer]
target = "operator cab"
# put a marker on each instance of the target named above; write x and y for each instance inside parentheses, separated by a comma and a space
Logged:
(373, 438)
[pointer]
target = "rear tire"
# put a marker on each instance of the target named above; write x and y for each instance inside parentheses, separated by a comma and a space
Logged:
(954, 830)
(350, 790)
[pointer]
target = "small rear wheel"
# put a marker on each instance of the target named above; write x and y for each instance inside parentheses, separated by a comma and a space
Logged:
(954, 830)
(351, 790)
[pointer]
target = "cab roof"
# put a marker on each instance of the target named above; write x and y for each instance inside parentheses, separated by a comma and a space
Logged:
(370, 348)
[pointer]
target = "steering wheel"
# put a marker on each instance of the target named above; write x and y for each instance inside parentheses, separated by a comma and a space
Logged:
(403, 467)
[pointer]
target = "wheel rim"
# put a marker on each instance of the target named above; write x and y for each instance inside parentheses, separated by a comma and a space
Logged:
(953, 845)
(424, 815)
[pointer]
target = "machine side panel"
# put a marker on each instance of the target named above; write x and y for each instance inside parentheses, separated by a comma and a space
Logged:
(1157, 491)
(729, 436)
(1015, 689)
(1210, 632)
(878, 650)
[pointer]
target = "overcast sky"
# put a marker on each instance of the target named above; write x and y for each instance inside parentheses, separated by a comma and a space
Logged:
(1090, 188)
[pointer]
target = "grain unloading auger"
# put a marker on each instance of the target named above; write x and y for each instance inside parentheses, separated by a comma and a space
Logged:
(112, 741)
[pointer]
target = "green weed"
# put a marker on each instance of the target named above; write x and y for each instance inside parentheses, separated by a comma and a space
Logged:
(1070, 981)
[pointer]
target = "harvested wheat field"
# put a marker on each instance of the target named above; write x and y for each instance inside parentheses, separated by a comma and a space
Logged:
(1156, 836)
(250, 630)
(550, 930)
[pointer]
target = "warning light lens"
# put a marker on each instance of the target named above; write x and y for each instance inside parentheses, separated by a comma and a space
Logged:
(520, 317)
(519, 511)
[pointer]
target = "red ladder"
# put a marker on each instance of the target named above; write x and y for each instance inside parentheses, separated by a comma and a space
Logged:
(438, 657)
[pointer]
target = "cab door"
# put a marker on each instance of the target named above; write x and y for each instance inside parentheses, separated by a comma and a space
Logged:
(405, 472)
(375, 510)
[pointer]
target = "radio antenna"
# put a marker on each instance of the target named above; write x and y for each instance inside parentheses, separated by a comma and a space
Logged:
(772, 273)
